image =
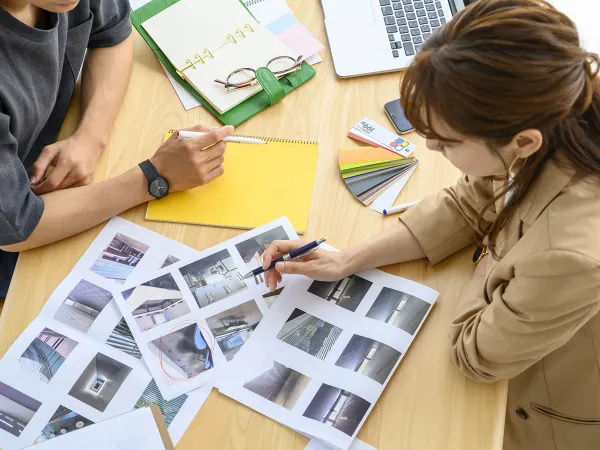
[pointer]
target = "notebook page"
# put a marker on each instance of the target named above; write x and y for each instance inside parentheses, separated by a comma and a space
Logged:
(190, 26)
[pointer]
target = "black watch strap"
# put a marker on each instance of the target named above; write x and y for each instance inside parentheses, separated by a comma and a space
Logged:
(149, 170)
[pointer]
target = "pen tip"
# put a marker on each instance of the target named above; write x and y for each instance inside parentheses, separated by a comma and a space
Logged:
(385, 212)
(248, 275)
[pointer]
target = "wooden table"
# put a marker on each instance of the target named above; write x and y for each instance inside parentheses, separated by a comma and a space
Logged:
(427, 404)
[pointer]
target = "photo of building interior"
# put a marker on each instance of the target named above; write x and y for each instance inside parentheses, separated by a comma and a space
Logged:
(184, 351)
(100, 381)
(46, 353)
(309, 333)
(122, 339)
(338, 408)
(63, 421)
(270, 297)
(83, 304)
(369, 357)
(156, 302)
(279, 384)
(169, 260)
(168, 409)
(16, 409)
(119, 259)
(233, 327)
(400, 309)
(213, 278)
(347, 293)
(252, 249)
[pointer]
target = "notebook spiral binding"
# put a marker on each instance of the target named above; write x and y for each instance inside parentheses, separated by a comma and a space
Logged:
(199, 59)
(280, 140)
(268, 139)
(253, 2)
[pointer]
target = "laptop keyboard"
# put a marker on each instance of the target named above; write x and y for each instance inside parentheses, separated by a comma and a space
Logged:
(409, 22)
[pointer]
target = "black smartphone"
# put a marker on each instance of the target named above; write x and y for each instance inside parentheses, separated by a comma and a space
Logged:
(395, 113)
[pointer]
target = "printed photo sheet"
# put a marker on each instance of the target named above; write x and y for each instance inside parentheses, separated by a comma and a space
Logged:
(78, 362)
(323, 356)
(191, 318)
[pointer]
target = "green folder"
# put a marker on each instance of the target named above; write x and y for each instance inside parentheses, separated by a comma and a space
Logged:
(273, 89)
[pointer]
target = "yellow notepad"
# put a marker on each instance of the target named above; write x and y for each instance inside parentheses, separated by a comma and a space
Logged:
(260, 184)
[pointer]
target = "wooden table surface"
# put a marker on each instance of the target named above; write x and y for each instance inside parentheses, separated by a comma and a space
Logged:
(427, 404)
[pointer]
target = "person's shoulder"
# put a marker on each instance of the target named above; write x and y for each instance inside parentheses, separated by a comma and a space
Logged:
(573, 218)
(81, 13)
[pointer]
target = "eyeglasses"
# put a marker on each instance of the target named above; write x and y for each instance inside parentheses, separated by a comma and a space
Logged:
(246, 77)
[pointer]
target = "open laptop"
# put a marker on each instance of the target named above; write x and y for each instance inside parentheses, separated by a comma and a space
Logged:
(372, 36)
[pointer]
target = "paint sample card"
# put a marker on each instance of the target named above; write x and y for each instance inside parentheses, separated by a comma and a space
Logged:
(322, 357)
(193, 317)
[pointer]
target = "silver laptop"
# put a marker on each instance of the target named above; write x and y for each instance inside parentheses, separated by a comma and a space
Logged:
(372, 36)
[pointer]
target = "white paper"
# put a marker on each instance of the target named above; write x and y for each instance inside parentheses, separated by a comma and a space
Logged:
(187, 100)
(193, 316)
(135, 430)
(54, 364)
(135, 4)
(389, 196)
(326, 351)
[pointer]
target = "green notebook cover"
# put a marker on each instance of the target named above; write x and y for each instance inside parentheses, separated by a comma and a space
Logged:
(244, 110)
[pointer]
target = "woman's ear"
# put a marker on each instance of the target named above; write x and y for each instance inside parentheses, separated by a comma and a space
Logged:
(527, 142)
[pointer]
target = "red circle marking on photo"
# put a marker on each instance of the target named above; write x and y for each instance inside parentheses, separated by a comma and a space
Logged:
(210, 342)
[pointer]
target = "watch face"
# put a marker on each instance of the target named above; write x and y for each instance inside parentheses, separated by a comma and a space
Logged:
(158, 187)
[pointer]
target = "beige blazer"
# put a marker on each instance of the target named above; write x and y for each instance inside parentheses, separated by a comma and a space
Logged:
(533, 317)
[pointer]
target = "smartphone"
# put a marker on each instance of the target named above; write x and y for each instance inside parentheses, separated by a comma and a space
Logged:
(395, 113)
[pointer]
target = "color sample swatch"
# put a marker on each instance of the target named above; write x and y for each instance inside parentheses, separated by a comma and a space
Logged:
(369, 171)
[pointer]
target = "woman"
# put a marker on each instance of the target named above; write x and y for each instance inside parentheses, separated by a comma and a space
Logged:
(507, 95)
(43, 46)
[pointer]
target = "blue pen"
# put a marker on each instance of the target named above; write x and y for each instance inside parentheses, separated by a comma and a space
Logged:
(291, 255)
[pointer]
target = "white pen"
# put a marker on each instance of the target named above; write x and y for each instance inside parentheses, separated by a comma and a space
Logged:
(399, 208)
(238, 139)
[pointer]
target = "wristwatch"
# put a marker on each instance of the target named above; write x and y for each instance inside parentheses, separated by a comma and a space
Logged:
(480, 252)
(158, 187)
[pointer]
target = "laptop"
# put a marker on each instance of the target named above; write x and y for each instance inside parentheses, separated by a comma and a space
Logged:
(373, 36)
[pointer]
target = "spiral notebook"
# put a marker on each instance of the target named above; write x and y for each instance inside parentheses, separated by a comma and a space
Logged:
(207, 40)
(260, 184)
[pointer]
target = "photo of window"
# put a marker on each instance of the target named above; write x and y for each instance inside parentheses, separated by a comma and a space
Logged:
(270, 297)
(122, 339)
(100, 381)
(156, 302)
(400, 309)
(252, 249)
(347, 293)
(16, 409)
(83, 304)
(309, 333)
(279, 384)
(369, 357)
(338, 408)
(233, 327)
(44, 356)
(213, 278)
(63, 421)
(169, 260)
(168, 409)
(184, 351)
(118, 260)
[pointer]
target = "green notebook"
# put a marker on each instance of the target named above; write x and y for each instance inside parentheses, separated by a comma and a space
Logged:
(273, 89)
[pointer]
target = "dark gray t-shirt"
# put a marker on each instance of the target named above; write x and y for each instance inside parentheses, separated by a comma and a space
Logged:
(38, 71)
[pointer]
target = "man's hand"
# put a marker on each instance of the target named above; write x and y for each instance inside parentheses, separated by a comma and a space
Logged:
(74, 160)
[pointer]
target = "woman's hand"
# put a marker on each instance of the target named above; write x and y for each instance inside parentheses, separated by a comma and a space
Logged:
(193, 162)
(321, 265)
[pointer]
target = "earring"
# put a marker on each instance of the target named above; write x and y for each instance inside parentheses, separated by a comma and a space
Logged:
(512, 165)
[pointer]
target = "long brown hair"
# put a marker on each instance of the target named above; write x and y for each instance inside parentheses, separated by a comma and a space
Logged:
(503, 66)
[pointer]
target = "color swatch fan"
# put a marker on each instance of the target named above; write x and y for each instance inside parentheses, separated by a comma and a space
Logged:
(370, 171)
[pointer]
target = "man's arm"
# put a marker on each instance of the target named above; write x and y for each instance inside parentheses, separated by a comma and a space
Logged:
(185, 164)
(105, 78)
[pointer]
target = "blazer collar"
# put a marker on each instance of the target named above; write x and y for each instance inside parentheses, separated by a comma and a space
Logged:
(551, 181)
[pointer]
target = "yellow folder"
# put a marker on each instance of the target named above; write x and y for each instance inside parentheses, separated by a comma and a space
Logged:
(260, 184)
